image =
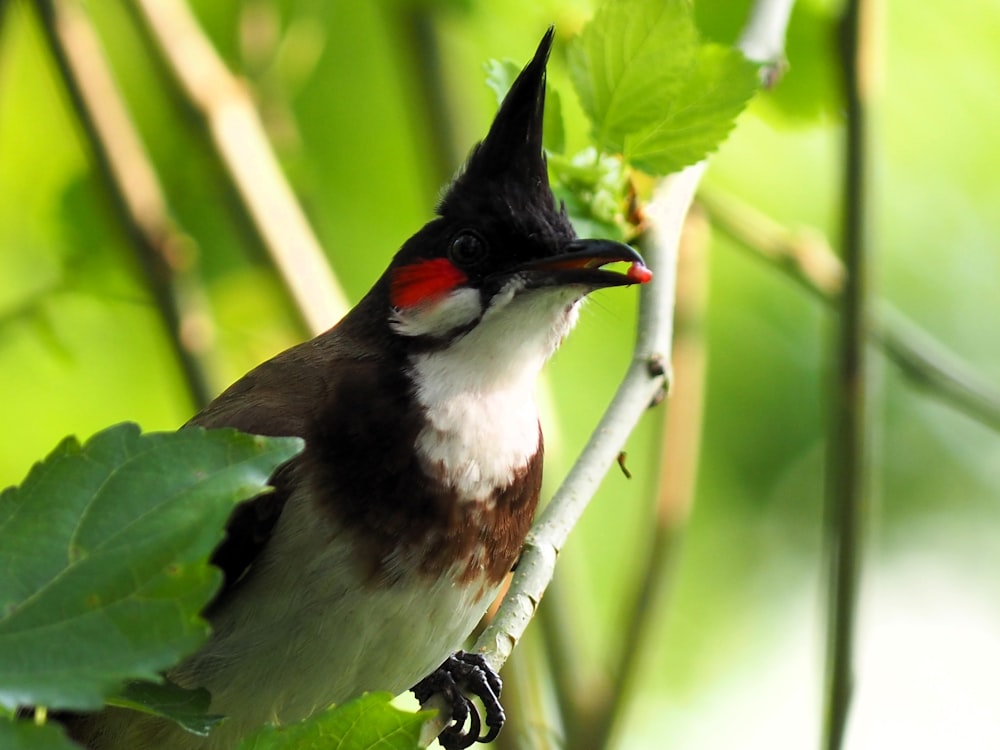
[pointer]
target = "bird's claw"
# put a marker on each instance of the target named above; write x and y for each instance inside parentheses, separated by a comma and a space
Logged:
(463, 673)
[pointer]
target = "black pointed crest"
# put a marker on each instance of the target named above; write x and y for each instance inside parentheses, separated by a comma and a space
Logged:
(514, 142)
(506, 174)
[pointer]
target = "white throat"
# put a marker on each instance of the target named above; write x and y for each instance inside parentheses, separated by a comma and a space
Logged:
(479, 393)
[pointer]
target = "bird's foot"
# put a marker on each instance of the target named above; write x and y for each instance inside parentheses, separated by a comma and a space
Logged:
(461, 674)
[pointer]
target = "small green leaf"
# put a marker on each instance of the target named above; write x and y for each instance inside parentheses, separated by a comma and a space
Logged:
(366, 723)
(103, 552)
(26, 735)
(500, 75)
(189, 708)
(651, 89)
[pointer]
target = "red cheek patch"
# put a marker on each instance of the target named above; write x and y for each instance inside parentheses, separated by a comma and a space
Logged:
(423, 281)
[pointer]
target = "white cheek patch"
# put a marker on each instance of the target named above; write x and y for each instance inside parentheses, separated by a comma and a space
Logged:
(440, 316)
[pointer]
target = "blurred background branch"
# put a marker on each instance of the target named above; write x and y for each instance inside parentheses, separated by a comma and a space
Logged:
(806, 257)
(848, 486)
(166, 255)
(225, 103)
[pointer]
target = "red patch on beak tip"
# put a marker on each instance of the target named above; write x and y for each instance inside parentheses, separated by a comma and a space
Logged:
(639, 273)
(422, 281)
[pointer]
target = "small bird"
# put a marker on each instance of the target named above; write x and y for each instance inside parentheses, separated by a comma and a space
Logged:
(384, 542)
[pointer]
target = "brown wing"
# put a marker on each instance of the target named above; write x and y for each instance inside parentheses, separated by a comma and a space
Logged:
(278, 398)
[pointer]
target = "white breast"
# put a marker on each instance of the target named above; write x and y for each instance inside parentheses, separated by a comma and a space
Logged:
(479, 393)
(474, 442)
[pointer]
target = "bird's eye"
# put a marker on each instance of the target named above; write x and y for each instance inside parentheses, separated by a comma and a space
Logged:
(467, 249)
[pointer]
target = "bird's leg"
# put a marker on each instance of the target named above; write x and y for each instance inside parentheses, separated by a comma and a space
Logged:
(464, 673)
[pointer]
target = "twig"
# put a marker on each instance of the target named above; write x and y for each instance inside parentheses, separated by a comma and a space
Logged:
(928, 364)
(763, 38)
(165, 253)
(808, 260)
(239, 137)
(847, 444)
(643, 383)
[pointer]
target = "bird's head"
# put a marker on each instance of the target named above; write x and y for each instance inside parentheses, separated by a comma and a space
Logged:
(502, 259)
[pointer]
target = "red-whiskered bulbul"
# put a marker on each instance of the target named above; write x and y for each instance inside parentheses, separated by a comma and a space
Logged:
(384, 542)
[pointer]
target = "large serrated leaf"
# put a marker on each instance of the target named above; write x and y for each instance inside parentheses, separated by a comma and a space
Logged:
(370, 722)
(651, 89)
(103, 552)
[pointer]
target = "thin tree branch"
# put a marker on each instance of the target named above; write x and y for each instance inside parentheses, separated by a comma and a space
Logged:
(164, 252)
(807, 259)
(930, 365)
(242, 144)
(643, 384)
(847, 445)
(763, 37)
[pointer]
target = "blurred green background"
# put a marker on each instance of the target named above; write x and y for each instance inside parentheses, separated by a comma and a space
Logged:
(738, 660)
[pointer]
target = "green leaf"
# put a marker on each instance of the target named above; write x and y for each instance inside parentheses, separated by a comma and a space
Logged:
(718, 87)
(26, 735)
(500, 75)
(651, 89)
(103, 553)
(366, 723)
(189, 708)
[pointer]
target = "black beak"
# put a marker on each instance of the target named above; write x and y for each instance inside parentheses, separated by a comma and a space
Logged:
(582, 263)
